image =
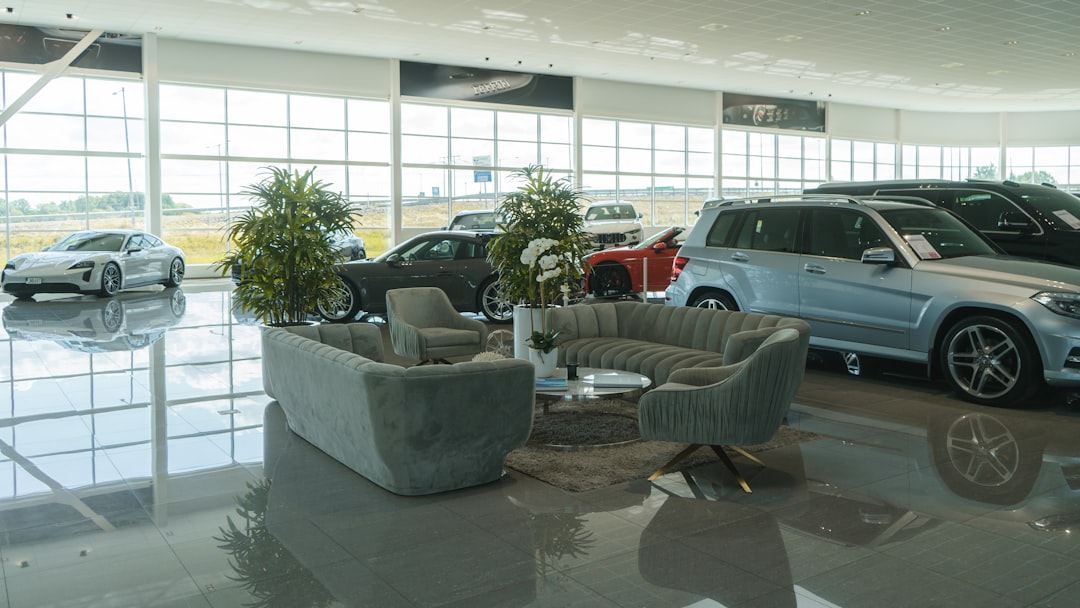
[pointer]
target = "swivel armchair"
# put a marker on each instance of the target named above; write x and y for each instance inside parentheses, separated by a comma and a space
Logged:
(734, 405)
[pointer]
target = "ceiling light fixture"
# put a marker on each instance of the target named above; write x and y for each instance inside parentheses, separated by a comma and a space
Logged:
(1069, 54)
(862, 13)
(791, 38)
(714, 27)
(358, 10)
(1012, 43)
(952, 64)
(944, 28)
(70, 16)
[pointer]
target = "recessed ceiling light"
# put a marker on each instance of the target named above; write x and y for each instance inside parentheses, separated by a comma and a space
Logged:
(862, 13)
(1012, 43)
(714, 27)
(358, 10)
(944, 28)
(952, 64)
(1069, 54)
(791, 38)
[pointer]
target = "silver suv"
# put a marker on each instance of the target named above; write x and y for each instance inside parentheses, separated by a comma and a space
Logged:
(897, 279)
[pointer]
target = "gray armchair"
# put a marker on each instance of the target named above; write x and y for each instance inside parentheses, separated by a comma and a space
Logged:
(424, 326)
(734, 405)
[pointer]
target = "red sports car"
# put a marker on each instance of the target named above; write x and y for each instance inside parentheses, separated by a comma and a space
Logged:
(619, 271)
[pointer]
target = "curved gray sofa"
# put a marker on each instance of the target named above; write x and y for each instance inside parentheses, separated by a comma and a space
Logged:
(655, 340)
(415, 430)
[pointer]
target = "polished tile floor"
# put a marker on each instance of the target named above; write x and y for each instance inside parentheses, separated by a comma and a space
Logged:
(141, 465)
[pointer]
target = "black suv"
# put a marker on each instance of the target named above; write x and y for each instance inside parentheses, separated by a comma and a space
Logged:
(1028, 220)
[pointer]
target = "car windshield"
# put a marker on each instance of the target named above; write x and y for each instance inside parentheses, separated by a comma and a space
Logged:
(474, 221)
(663, 235)
(936, 233)
(89, 241)
(1055, 206)
(610, 212)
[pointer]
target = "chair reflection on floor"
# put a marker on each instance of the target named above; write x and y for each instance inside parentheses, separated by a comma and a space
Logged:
(702, 547)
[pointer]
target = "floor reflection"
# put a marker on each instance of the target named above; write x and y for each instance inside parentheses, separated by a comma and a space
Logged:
(129, 321)
(161, 475)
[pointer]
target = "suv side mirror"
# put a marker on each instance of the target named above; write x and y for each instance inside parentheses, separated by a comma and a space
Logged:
(879, 255)
(1015, 221)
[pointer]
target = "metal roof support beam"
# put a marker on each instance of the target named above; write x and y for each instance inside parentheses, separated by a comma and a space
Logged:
(52, 70)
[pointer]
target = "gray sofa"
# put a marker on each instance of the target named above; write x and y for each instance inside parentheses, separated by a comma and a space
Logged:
(416, 430)
(655, 340)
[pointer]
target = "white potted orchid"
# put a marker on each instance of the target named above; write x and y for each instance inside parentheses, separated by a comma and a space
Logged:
(543, 258)
(541, 218)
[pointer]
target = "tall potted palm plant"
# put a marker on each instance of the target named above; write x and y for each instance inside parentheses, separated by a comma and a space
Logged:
(282, 246)
(541, 225)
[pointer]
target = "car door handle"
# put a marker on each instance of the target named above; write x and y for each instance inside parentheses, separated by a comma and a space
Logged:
(739, 256)
(814, 268)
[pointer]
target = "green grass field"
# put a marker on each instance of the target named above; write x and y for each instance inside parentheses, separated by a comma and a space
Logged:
(201, 235)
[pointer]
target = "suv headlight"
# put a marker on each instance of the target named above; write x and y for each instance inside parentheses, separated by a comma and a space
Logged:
(1067, 304)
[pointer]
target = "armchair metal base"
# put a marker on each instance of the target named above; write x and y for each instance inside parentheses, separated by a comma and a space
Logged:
(724, 458)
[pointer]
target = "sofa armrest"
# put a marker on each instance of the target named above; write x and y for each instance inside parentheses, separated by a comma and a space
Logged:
(741, 345)
(700, 376)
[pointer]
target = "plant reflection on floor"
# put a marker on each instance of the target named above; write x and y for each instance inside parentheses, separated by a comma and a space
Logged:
(557, 536)
(267, 570)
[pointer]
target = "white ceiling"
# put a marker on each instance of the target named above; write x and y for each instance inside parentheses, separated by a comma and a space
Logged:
(939, 55)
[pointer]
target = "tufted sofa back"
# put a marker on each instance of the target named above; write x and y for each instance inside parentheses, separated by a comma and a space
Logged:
(697, 328)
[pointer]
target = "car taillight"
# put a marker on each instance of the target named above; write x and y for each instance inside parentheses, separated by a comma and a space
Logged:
(676, 268)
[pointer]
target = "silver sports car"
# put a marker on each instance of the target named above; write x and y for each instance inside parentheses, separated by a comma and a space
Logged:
(100, 262)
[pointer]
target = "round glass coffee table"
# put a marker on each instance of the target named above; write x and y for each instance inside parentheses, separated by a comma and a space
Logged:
(592, 383)
(581, 426)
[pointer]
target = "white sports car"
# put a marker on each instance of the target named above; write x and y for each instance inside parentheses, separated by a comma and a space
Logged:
(100, 262)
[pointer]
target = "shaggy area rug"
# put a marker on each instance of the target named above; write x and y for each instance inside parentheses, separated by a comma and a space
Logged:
(563, 452)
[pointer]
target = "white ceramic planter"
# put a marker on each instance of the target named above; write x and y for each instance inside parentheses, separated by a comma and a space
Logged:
(544, 362)
(525, 320)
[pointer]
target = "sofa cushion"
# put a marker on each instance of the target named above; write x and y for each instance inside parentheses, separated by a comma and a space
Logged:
(446, 336)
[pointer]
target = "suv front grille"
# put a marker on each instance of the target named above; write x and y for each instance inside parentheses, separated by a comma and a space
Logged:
(614, 237)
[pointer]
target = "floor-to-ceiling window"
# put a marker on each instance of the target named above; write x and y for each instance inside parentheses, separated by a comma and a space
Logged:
(665, 170)
(216, 142)
(949, 162)
(71, 158)
(858, 161)
(459, 158)
(1058, 165)
(754, 163)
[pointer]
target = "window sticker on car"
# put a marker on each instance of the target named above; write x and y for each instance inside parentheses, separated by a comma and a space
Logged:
(1068, 218)
(922, 247)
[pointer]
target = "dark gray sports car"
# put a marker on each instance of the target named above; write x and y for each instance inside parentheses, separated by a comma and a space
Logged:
(455, 262)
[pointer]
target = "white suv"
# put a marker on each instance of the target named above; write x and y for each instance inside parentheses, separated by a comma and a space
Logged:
(613, 224)
(894, 279)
